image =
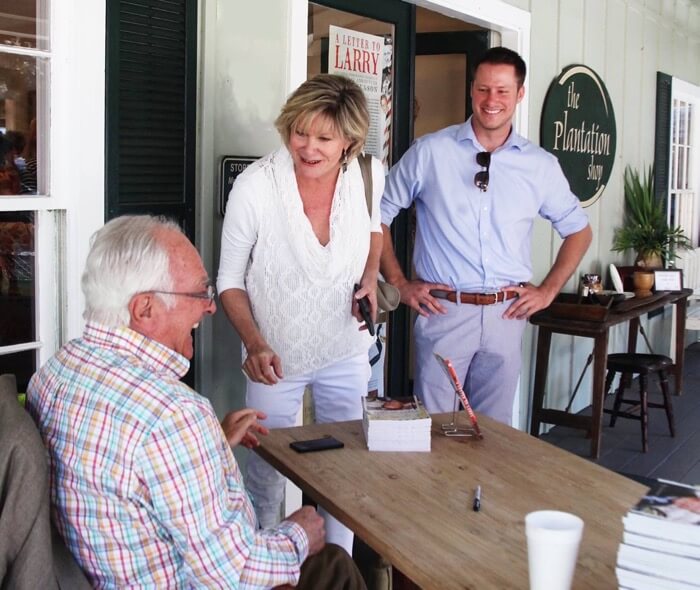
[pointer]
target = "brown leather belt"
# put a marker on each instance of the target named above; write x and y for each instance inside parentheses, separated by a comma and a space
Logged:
(475, 298)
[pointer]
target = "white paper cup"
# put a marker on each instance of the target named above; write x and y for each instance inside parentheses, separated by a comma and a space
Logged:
(553, 538)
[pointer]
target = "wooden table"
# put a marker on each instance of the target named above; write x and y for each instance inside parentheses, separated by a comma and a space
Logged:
(627, 311)
(415, 509)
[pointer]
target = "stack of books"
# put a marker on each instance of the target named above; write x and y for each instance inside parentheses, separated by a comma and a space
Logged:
(661, 542)
(395, 425)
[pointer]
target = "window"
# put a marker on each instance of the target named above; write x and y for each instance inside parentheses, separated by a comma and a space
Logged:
(677, 153)
(24, 74)
(684, 185)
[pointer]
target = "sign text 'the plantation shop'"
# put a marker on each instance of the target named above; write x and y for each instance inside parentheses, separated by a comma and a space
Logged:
(578, 127)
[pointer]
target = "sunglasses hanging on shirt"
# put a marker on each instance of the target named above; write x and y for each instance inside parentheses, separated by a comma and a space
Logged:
(481, 178)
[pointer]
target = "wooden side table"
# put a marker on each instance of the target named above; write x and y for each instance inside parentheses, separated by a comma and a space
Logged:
(631, 310)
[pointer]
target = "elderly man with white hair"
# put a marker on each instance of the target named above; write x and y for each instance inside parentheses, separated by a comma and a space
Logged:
(144, 485)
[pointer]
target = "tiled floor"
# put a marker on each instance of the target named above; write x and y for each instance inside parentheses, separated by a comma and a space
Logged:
(669, 458)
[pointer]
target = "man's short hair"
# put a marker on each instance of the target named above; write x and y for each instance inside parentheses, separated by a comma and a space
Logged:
(503, 55)
(126, 257)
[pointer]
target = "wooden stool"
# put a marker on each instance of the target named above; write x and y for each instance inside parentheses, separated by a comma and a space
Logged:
(642, 364)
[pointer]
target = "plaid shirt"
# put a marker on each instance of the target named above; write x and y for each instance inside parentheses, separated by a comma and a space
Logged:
(145, 486)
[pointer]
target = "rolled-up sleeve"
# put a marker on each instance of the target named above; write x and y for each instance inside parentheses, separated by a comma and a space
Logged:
(561, 207)
(196, 495)
(402, 184)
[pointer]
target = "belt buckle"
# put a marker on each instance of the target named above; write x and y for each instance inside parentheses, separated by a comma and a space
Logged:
(495, 295)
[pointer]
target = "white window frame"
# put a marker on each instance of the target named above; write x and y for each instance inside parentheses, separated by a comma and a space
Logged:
(684, 193)
(46, 255)
(73, 206)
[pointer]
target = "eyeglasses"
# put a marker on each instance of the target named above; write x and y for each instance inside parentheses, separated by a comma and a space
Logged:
(481, 179)
(209, 294)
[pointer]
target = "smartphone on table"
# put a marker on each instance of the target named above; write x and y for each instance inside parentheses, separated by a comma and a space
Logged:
(316, 444)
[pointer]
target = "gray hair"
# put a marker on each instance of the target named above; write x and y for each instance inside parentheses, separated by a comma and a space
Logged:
(126, 257)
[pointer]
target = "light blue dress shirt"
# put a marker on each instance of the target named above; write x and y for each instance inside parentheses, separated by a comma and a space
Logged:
(472, 240)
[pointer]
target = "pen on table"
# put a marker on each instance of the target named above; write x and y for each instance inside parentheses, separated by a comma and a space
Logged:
(477, 499)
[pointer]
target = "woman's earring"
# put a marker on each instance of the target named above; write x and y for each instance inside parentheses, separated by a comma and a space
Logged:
(344, 161)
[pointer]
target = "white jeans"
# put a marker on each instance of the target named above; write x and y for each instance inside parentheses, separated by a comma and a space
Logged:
(337, 393)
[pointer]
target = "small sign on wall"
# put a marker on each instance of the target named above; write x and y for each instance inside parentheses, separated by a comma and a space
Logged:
(231, 167)
(578, 127)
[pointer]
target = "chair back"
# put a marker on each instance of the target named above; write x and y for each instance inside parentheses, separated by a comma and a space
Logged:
(27, 542)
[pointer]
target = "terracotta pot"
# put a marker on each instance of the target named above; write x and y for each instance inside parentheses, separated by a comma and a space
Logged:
(643, 282)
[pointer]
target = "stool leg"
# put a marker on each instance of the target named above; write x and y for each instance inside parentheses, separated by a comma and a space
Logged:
(644, 411)
(618, 396)
(663, 379)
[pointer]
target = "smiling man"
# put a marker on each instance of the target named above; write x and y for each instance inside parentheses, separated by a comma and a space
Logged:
(144, 485)
(478, 188)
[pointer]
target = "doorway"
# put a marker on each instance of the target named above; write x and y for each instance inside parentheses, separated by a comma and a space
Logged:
(446, 48)
(423, 86)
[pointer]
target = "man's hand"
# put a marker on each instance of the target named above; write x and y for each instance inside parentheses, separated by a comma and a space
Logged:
(313, 524)
(416, 294)
(262, 365)
(241, 426)
(531, 299)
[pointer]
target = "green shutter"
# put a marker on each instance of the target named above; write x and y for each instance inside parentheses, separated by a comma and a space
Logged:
(663, 136)
(150, 109)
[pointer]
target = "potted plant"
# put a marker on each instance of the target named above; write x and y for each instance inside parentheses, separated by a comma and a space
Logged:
(645, 229)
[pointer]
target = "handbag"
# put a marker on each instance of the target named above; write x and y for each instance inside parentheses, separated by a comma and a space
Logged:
(388, 296)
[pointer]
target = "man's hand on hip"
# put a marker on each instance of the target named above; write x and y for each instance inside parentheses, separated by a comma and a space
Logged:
(416, 294)
(531, 299)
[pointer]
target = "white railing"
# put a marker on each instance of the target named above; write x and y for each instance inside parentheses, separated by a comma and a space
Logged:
(689, 261)
(683, 213)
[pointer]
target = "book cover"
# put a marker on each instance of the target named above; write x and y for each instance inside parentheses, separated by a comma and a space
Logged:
(669, 510)
(449, 370)
(381, 408)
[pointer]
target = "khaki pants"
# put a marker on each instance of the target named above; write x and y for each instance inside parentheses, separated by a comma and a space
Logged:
(331, 569)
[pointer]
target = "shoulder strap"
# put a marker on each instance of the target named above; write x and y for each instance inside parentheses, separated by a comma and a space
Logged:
(365, 162)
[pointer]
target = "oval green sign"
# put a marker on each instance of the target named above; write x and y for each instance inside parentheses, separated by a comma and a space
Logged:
(578, 127)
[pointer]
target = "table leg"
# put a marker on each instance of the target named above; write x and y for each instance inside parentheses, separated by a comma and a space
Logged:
(544, 342)
(681, 312)
(600, 360)
(632, 332)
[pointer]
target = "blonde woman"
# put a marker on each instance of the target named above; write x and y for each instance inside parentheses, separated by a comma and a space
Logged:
(297, 237)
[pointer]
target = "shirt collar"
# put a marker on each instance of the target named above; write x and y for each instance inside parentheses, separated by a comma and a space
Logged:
(466, 132)
(131, 343)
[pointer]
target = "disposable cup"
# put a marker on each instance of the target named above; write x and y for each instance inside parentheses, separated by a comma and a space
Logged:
(553, 539)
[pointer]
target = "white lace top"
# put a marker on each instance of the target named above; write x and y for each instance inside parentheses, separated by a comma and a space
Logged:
(300, 291)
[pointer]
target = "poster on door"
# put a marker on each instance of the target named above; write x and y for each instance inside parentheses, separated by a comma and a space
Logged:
(362, 57)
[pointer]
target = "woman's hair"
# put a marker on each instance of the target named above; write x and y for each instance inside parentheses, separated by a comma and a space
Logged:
(335, 97)
(126, 257)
